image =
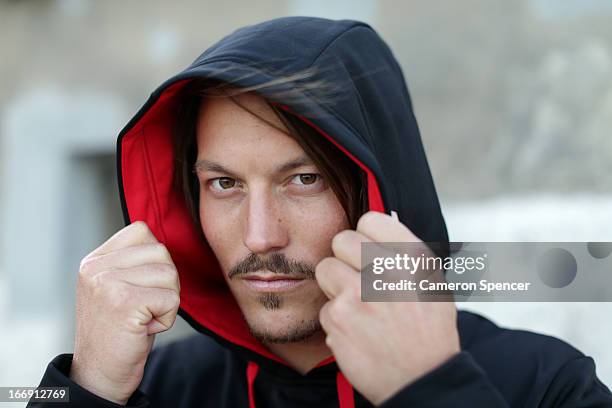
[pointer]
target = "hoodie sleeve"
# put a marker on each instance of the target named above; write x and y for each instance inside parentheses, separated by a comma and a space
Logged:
(58, 375)
(458, 382)
(462, 382)
(576, 385)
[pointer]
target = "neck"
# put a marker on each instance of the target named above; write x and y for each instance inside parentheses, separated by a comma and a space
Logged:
(303, 356)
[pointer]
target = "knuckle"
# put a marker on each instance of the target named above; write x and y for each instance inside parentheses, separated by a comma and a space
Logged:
(340, 239)
(99, 281)
(158, 247)
(87, 268)
(118, 297)
(102, 285)
(167, 270)
(329, 262)
(83, 262)
(139, 228)
(175, 300)
(324, 315)
(337, 311)
(161, 249)
(323, 266)
(368, 221)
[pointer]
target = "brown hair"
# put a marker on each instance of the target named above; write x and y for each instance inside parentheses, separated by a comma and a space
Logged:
(345, 178)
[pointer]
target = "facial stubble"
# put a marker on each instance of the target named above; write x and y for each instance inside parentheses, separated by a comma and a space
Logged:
(271, 302)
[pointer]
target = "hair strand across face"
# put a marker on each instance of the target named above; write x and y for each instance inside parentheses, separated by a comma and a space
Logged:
(345, 178)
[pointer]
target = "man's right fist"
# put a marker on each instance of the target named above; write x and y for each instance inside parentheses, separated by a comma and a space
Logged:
(127, 291)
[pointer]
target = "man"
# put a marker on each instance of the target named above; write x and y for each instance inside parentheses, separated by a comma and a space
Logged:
(252, 178)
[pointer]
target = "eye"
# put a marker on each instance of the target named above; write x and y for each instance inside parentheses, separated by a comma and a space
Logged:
(222, 183)
(305, 178)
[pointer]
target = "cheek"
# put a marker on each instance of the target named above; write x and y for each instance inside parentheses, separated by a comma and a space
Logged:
(316, 222)
(221, 229)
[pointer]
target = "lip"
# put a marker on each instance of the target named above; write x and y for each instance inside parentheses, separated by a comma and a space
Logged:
(272, 283)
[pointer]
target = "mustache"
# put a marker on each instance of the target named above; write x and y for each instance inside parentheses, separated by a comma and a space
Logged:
(276, 263)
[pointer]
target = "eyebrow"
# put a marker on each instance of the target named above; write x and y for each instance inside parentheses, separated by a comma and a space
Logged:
(208, 165)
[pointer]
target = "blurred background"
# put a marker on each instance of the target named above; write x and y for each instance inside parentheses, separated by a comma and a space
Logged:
(513, 98)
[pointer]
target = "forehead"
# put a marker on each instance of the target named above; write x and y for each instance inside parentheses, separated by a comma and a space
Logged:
(243, 130)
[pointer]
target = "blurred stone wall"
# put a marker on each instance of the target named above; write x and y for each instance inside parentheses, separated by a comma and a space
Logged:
(508, 94)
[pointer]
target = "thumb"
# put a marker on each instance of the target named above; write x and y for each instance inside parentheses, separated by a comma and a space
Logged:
(154, 327)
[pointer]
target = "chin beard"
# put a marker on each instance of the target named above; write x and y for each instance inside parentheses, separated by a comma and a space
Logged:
(298, 333)
(270, 301)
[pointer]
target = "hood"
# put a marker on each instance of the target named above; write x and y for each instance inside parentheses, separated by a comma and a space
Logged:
(363, 107)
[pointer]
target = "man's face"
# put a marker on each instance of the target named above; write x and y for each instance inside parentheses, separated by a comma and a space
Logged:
(268, 215)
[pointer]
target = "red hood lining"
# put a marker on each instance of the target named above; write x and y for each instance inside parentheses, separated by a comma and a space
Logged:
(147, 175)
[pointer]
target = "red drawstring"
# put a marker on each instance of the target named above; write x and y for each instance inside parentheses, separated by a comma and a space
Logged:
(346, 399)
(251, 373)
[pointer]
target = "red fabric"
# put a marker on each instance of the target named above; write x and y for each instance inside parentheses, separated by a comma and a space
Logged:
(251, 373)
(147, 173)
(346, 398)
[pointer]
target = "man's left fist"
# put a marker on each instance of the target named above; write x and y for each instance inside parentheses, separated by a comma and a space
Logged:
(380, 346)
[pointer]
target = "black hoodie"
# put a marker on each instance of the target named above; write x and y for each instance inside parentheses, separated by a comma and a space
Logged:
(361, 104)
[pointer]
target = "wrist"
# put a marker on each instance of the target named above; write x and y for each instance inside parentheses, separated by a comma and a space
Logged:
(97, 383)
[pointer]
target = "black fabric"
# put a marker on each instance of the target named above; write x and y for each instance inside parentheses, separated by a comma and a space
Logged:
(360, 99)
(364, 105)
(496, 368)
(58, 375)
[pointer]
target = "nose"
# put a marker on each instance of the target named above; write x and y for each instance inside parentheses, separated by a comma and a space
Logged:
(264, 231)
